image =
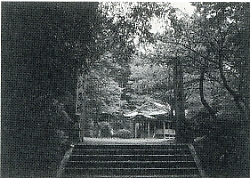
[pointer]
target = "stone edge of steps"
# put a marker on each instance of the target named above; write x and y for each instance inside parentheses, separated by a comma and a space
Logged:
(65, 159)
(197, 160)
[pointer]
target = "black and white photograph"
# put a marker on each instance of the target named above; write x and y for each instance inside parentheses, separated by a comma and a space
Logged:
(122, 89)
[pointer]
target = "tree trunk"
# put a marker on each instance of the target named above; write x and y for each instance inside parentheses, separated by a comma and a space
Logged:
(246, 97)
(181, 135)
(236, 96)
(242, 103)
(203, 100)
(83, 121)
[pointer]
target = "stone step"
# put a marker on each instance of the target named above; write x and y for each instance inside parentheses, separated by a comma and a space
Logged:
(132, 171)
(144, 151)
(131, 146)
(134, 176)
(130, 164)
(104, 157)
(131, 160)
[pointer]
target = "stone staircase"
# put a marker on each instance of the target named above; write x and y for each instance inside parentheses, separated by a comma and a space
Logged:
(131, 161)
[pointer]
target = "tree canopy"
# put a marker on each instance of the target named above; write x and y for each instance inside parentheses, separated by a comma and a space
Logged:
(198, 64)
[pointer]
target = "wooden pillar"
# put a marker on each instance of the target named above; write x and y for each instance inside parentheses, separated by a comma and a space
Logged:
(131, 127)
(142, 129)
(164, 128)
(135, 131)
(148, 129)
(154, 127)
(79, 131)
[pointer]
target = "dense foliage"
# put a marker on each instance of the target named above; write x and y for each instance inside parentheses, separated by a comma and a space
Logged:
(42, 46)
(199, 64)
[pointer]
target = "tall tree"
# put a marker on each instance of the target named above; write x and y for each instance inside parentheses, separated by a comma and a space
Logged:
(226, 30)
(43, 45)
(227, 38)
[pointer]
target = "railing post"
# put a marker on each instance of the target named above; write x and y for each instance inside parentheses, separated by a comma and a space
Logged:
(148, 129)
(164, 128)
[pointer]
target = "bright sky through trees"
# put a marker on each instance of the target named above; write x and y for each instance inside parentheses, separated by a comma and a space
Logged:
(186, 7)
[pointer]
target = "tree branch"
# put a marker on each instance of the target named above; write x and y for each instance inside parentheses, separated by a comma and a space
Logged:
(189, 48)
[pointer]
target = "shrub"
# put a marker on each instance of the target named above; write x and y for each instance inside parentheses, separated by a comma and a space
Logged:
(123, 133)
(105, 129)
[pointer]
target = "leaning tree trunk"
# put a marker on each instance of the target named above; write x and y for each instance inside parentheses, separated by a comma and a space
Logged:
(242, 103)
(203, 100)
